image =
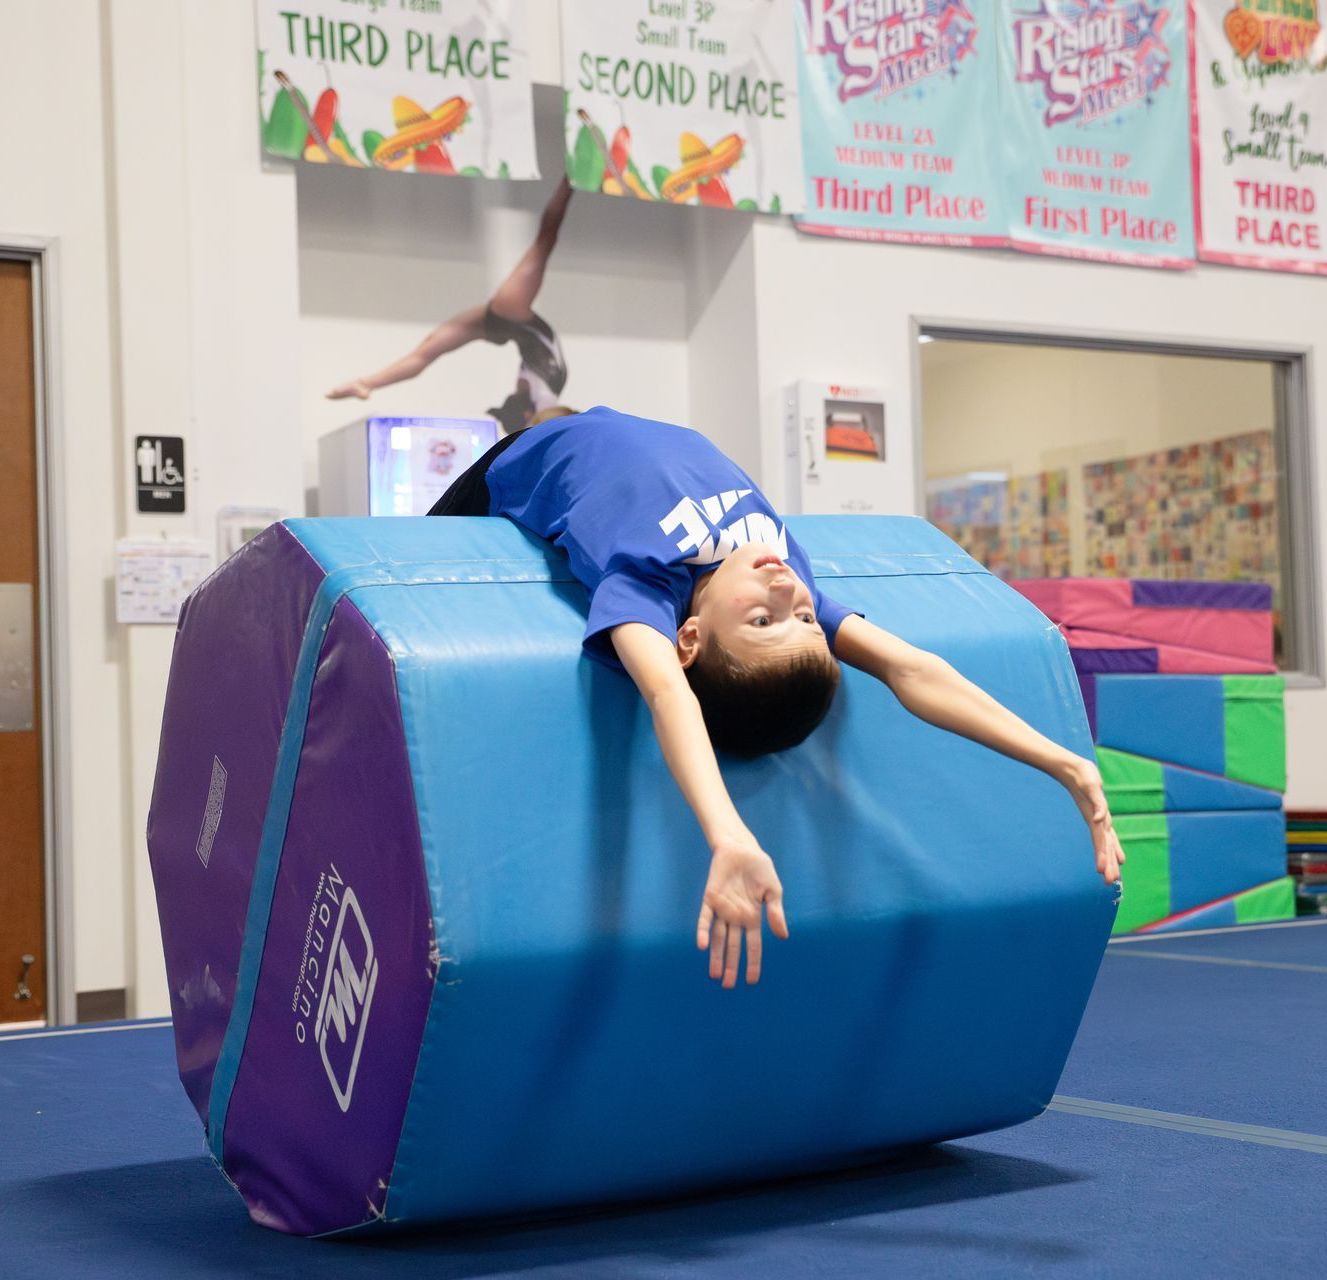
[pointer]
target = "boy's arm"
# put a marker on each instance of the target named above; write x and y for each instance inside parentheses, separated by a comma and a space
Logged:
(742, 878)
(931, 689)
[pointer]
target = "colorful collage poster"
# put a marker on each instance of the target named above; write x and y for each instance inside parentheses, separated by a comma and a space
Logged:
(1018, 527)
(1260, 133)
(893, 100)
(1093, 129)
(1205, 510)
(684, 101)
(410, 88)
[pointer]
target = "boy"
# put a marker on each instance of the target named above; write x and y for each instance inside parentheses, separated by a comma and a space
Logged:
(699, 593)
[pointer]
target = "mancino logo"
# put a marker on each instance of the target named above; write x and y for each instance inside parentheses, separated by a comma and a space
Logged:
(347, 996)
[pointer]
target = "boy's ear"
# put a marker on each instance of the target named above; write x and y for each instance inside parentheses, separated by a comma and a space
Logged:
(688, 642)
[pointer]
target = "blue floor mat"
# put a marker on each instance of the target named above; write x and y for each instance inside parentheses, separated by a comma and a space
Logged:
(1295, 942)
(102, 1172)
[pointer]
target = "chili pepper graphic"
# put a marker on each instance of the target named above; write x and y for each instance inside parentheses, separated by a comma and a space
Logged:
(319, 124)
(620, 176)
(433, 159)
(416, 127)
(702, 165)
(714, 193)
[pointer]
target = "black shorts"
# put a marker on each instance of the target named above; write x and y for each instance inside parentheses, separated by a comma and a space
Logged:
(468, 494)
(541, 352)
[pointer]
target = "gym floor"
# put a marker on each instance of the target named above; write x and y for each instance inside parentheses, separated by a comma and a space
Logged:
(1189, 1138)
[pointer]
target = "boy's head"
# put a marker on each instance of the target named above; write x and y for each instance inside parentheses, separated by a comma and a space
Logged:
(757, 659)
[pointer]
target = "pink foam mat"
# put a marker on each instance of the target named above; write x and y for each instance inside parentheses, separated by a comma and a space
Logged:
(1107, 605)
(1172, 659)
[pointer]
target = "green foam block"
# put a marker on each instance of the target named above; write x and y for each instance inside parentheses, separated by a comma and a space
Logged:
(1255, 724)
(1146, 872)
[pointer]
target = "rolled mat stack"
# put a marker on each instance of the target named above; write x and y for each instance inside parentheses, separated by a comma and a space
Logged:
(428, 895)
(1306, 855)
(1188, 717)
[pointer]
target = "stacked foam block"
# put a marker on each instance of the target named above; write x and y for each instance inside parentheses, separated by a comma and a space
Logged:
(1187, 712)
(1306, 857)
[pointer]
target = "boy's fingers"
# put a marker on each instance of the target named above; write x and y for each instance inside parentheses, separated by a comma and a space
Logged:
(753, 949)
(703, 928)
(718, 936)
(734, 956)
(777, 921)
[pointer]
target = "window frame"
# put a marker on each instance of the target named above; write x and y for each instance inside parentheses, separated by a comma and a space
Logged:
(1302, 628)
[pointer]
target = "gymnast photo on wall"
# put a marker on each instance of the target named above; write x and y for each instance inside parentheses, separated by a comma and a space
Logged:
(508, 316)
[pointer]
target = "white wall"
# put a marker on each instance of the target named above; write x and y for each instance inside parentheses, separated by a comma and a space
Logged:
(385, 257)
(176, 307)
(194, 299)
(55, 60)
(841, 311)
(1025, 409)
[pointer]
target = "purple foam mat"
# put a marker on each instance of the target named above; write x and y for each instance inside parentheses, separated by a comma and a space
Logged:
(343, 930)
(1159, 594)
(231, 672)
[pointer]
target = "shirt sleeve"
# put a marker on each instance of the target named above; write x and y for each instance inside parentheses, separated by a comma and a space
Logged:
(830, 613)
(624, 597)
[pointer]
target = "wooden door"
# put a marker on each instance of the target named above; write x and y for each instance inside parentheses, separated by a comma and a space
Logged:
(22, 861)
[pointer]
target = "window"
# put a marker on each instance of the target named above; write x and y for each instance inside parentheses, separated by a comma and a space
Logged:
(1053, 458)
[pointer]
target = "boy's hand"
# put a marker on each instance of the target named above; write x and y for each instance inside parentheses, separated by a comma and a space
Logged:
(1083, 780)
(742, 882)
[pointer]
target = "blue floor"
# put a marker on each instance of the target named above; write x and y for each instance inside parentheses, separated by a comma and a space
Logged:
(102, 1171)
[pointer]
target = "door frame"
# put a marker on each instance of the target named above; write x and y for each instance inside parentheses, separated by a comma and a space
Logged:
(43, 254)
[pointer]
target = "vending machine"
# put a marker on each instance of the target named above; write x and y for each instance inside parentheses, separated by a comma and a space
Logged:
(396, 466)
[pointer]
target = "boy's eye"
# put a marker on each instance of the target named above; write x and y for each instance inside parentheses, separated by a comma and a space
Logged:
(763, 620)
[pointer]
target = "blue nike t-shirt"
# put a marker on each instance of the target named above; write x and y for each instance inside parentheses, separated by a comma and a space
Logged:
(642, 509)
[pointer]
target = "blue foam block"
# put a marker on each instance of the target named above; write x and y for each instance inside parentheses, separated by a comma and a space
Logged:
(468, 983)
(1180, 719)
(1213, 855)
(1190, 790)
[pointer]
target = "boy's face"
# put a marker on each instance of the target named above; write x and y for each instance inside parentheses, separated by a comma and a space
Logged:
(755, 606)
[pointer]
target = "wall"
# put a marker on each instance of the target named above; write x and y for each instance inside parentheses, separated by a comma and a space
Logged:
(195, 299)
(839, 311)
(987, 406)
(56, 60)
(385, 257)
(176, 306)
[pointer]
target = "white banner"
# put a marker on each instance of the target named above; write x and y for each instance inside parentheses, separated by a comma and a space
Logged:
(687, 101)
(1260, 133)
(417, 86)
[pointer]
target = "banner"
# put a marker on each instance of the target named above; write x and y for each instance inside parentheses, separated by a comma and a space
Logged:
(899, 112)
(1260, 133)
(1093, 129)
(688, 101)
(420, 86)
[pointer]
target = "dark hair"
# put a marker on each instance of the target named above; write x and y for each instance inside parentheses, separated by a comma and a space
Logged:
(751, 710)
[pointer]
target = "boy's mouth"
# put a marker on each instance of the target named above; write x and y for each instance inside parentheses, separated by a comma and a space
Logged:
(761, 561)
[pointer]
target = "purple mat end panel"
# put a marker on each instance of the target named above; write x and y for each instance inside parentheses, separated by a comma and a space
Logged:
(231, 671)
(1159, 594)
(1087, 684)
(1101, 661)
(347, 968)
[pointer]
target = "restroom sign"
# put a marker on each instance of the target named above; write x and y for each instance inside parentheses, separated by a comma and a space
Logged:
(159, 473)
